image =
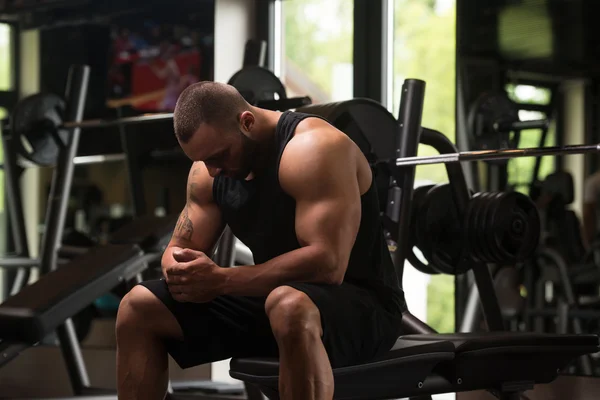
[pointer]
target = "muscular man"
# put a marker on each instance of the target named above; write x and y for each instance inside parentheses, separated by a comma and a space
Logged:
(301, 195)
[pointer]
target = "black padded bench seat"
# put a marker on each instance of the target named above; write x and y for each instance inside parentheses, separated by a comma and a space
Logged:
(150, 233)
(453, 363)
(406, 366)
(495, 359)
(41, 307)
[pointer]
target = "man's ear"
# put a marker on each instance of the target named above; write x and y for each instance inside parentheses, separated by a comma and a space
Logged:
(247, 120)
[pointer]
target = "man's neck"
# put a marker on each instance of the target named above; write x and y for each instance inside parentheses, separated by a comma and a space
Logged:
(264, 133)
(265, 124)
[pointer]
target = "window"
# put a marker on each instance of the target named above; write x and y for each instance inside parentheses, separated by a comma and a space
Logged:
(424, 48)
(521, 170)
(5, 58)
(3, 114)
(316, 43)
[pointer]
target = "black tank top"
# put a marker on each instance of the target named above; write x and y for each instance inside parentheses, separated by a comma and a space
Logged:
(262, 216)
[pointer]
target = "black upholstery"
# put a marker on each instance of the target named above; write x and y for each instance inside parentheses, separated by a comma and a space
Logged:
(39, 308)
(495, 359)
(569, 240)
(150, 233)
(472, 361)
(563, 225)
(560, 185)
(406, 366)
(8, 351)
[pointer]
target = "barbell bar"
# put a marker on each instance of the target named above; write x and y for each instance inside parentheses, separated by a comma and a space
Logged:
(105, 123)
(502, 154)
(522, 125)
(478, 155)
(287, 103)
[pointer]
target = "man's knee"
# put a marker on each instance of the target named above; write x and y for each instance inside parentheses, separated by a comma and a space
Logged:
(292, 313)
(140, 310)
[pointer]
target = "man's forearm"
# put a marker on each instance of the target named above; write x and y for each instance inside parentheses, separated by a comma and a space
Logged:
(307, 264)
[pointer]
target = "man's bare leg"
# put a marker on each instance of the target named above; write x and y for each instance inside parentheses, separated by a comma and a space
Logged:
(305, 371)
(143, 322)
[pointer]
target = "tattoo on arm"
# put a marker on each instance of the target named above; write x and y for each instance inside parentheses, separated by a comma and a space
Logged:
(184, 228)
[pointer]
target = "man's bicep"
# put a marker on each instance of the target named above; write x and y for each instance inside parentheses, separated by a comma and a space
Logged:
(200, 223)
(328, 211)
(329, 220)
(198, 227)
(319, 172)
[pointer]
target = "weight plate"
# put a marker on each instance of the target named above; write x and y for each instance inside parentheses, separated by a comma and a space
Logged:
(258, 84)
(442, 230)
(477, 227)
(33, 122)
(494, 252)
(517, 227)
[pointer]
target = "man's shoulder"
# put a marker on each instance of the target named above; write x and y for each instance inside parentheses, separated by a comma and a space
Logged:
(200, 184)
(315, 134)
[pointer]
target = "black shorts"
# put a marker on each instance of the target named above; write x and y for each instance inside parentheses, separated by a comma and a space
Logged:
(356, 326)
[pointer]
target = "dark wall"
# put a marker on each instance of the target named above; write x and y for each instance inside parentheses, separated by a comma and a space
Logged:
(86, 44)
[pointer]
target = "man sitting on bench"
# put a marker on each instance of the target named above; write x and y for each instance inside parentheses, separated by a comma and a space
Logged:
(301, 195)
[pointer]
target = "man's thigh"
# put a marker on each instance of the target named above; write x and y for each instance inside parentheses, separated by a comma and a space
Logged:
(356, 325)
(226, 327)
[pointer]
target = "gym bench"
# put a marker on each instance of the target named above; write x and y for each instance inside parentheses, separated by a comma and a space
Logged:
(40, 308)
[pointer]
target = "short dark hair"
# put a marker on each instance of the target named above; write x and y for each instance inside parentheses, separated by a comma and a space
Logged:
(206, 102)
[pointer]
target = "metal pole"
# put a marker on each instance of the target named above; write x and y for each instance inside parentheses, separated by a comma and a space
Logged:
(15, 211)
(409, 121)
(134, 171)
(568, 304)
(484, 155)
(71, 352)
(523, 125)
(104, 123)
(13, 197)
(471, 315)
(76, 93)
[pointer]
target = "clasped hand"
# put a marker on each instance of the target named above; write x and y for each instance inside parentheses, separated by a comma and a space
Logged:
(193, 277)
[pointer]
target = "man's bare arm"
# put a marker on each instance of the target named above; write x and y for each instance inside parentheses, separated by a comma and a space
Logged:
(318, 171)
(200, 224)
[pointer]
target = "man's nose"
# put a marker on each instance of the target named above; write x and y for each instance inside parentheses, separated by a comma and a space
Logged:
(212, 171)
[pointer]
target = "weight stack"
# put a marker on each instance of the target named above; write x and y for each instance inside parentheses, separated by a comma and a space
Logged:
(501, 227)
